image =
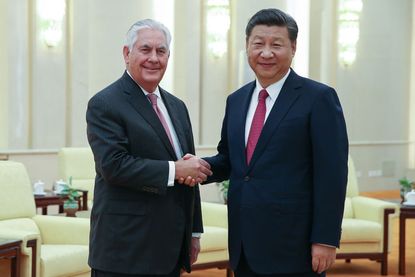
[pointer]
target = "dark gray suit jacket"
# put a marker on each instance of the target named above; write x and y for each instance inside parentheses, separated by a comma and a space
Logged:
(138, 224)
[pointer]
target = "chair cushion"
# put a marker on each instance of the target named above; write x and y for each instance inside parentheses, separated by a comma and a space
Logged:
(359, 247)
(15, 188)
(213, 239)
(358, 230)
(63, 260)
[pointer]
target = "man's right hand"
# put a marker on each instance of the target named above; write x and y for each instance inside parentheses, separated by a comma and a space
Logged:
(196, 170)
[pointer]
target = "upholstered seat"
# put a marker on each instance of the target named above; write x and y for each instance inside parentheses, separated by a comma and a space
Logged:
(214, 241)
(51, 245)
(365, 227)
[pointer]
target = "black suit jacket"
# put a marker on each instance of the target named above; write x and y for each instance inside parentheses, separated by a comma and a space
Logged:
(138, 224)
(292, 193)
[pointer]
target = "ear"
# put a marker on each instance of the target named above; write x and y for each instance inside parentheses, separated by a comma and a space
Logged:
(246, 44)
(294, 46)
(126, 54)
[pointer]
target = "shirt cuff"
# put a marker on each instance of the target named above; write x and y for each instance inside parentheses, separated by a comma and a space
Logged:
(172, 170)
(196, 235)
(328, 245)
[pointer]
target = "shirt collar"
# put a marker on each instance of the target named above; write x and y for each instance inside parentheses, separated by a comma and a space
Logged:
(156, 92)
(273, 89)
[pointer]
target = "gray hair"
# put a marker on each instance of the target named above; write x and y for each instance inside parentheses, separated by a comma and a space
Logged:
(146, 23)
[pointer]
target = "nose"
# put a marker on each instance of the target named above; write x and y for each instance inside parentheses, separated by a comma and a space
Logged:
(266, 52)
(153, 56)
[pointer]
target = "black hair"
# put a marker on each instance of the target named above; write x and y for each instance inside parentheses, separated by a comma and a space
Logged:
(273, 17)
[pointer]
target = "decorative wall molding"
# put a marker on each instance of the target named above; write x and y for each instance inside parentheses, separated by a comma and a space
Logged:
(381, 142)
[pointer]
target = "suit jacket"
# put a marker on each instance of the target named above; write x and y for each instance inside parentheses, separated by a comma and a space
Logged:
(138, 224)
(292, 193)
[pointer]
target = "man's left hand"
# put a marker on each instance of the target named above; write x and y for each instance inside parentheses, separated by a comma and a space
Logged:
(323, 257)
(195, 249)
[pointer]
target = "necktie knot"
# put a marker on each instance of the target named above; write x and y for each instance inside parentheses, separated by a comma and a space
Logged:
(263, 94)
(153, 98)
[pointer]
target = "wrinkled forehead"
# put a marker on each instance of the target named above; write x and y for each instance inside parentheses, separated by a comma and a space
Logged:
(151, 37)
(273, 32)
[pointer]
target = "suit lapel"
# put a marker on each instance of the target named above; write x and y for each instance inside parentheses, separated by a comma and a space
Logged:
(141, 104)
(288, 95)
(240, 121)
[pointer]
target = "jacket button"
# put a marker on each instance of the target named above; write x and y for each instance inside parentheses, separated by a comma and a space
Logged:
(246, 178)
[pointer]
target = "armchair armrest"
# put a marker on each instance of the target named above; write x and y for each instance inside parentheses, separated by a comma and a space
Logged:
(63, 230)
(371, 209)
(215, 214)
(24, 236)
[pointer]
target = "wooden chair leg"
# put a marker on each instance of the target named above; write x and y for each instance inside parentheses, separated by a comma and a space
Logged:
(384, 267)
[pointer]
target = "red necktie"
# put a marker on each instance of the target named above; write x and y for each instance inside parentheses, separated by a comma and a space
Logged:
(153, 100)
(257, 124)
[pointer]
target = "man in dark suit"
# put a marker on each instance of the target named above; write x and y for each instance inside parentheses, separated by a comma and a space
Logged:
(286, 159)
(143, 223)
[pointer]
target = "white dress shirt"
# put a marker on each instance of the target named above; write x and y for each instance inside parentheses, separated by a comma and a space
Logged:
(176, 144)
(273, 92)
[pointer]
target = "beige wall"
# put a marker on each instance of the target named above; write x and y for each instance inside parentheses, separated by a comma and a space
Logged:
(44, 91)
(375, 90)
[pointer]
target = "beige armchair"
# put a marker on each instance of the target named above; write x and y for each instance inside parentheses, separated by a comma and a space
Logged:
(51, 245)
(214, 241)
(365, 227)
(78, 162)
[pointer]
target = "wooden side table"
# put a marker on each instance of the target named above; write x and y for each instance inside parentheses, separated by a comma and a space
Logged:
(405, 213)
(10, 249)
(51, 198)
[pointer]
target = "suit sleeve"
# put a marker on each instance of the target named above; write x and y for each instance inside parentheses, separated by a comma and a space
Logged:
(330, 154)
(109, 143)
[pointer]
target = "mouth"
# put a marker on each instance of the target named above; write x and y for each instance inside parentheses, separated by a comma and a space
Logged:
(266, 65)
(152, 69)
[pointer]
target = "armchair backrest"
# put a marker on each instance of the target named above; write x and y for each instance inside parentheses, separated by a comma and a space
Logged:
(352, 186)
(352, 189)
(78, 162)
(16, 193)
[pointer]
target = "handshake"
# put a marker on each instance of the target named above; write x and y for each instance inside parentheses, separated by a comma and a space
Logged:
(191, 170)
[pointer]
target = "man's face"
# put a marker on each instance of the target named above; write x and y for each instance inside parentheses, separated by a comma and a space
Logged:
(270, 53)
(147, 60)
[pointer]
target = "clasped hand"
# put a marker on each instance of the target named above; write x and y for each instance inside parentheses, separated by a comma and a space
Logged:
(191, 170)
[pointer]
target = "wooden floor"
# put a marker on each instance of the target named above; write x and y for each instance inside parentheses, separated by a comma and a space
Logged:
(363, 268)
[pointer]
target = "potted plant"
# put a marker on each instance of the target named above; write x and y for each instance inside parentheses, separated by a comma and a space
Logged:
(406, 186)
(224, 187)
(70, 205)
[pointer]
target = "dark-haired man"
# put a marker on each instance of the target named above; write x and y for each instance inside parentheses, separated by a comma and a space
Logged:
(286, 158)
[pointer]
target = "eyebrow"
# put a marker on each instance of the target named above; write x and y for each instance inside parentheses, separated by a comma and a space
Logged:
(262, 37)
(148, 46)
